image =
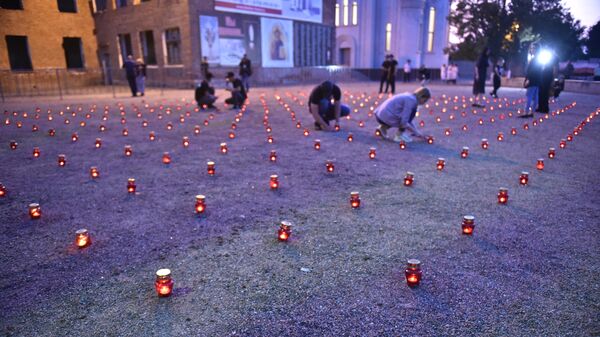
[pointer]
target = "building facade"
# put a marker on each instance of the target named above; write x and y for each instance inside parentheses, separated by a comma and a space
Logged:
(177, 34)
(37, 35)
(367, 30)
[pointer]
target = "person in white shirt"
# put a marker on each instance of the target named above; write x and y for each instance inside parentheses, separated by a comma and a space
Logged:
(407, 70)
(444, 73)
(399, 111)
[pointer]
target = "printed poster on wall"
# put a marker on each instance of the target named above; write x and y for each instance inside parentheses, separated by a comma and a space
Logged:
(301, 10)
(235, 35)
(277, 38)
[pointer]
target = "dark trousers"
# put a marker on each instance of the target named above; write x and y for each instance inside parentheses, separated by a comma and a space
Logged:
(132, 85)
(236, 99)
(543, 97)
(327, 110)
(391, 81)
(381, 82)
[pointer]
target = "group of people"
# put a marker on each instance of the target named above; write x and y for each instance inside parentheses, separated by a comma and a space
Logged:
(449, 74)
(135, 71)
(481, 67)
(388, 74)
(238, 87)
(539, 78)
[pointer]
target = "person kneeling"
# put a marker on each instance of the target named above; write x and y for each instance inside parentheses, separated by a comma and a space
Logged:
(205, 94)
(321, 108)
(399, 111)
(238, 92)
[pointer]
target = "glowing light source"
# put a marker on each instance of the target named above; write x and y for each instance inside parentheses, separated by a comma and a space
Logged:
(413, 272)
(468, 224)
(163, 283)
(82, 238)
(354, 200)
(285, 230)
(35, 211)
(502, 195)
(524, 178)
(409, 178)
(131, 185)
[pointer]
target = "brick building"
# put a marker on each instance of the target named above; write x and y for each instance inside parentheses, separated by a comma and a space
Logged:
(46, 34)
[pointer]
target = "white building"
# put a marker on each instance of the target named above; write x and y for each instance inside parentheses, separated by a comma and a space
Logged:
(367, 30)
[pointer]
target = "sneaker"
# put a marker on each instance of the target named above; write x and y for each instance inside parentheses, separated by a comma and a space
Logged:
(382, 131)
(403, 136)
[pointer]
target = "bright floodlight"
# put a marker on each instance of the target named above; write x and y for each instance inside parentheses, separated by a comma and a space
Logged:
(544, 57)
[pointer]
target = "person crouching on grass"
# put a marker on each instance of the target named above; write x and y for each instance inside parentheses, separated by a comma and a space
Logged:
(321, 108)
(399, 111)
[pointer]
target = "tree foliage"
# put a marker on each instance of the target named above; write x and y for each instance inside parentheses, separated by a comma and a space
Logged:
(593, 41)
(508, 29)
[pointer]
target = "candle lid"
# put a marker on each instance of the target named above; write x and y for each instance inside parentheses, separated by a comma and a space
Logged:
(286, 223)
(484, 139)
(81, 231)
(34, 205)
(552, 149)
(317, 140)
(524, 172)
(469, 218)
(503, 189)
(163, 272)
(273, 176)
(223, 144)
(353, 194)
(210, 163)
(413, 263)
(408, 173)
(441, 159)
(200, 197)
(131, 180)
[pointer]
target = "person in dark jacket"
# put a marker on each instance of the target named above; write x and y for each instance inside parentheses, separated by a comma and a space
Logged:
(237, 89)
(245, 71)
(129, 65)
(385, 67)
(498, 68)
(391, 75)
(321, 108)
(532, 83)
(546, 78)
(205, 94)
(140, 76)
(480, 76)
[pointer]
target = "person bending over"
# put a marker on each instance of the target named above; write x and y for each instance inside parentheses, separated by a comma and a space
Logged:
(205, 94)
(238, 92)
(321, 107)
(399, 111)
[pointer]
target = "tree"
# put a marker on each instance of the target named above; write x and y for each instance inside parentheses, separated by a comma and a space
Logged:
(593, 41)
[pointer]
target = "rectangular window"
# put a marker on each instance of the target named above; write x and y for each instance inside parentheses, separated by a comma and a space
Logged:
(67, 6)
(355, 13)
(345, 12)
(121, 3)
(124, 46)
(337, 15)
(430, 29)
(73, 52)
(173, 46)
(11, 4)
(388, 37)
(99, 5)
(147, 44)
(18, 52)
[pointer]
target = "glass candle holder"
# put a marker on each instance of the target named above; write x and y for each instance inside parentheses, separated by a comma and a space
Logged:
(525, 126)
(513, 131)
(336, 127)
(274, 182)
(430, 140)
(285, 230)
(540, 164)
(223, 148)
(468, 224)
(82, 238)
(36, 152)
(551, 153)
(484, 144)
(144, 123)
(563, 143)
(13, 145)
(152, 135)
(350, 137)
(273, 156)
(2, 191)
(361, 124)
(125, 132)
(298, 125)
(377, 133)
(402, 145)
(185, 141)
(409, 178)
(329, 166)
(306, 132)
(131, 185)
(270, 139)
(163, 283)
(317, 144)
(441, 162)
(524, 178)
(569, 137)
(269, 129)
(200, 204)
(502, 195)
(35, 211)
(169, 126)
(94, 173)
(34, 128)
(62, 160)
(372, 153)
(196, 130)
(98, 143)
(128, 151)
(447, 132)
(464, 153)
(166, 158)
(354, 200)
(231, 135)
(413, 272)
(500, 136)
(51, 132)
(210, 168)
(102, 128)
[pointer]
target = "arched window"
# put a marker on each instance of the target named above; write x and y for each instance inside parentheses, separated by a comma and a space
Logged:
(430, 29)
(345, 12)
(388, 37)
(337, 15)
(355, 13)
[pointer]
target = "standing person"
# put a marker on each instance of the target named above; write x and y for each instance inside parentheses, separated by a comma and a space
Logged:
(391, 75)
(531, 83)
(424, 75)
(129, 66)
(385, 66)
(204, 67)
(407, 70)
(321, 108)
(399, 112)
(547, 61)
(205, 93)
(480, 75)
(497, 77)
(452, 73)
(444, 73)
(237, 89)
(140, 76)
(245, 71)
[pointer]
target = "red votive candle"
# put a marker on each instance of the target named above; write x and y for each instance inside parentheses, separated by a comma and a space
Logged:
(285, 230)
(484, 144)
(354, 200)
(413, 272)
(224, 148)
(163, 283)
(274, 182)
(131, 185)
(35, 211)
(200, 204)
(94, 173)
(502, 195)
(210, 168)
(468, 224)
(464, 153)
(36, 152)
(329, 166)
(524, 178)
(372, 153)
(82, 238)
(62, 160)
(128, 151)
(441, 162)
(317, 144)
(273, 156)
(551, 153)
(166, 158)
(409, 178)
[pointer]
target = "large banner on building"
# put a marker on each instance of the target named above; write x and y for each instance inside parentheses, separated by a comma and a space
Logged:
(224, 39)
(301, 10)
(277, 37)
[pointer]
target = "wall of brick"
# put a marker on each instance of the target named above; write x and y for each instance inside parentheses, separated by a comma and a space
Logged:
(45, 28)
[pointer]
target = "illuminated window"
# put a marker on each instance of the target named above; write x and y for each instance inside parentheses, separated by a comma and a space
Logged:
(345, 12)
(355, 13)
(337, 15)
(388, 37)
(430, 29)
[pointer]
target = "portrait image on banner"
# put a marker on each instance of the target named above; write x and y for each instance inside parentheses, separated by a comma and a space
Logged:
(234, 35)
(301, 10)
(277, 38)
(209, 38)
